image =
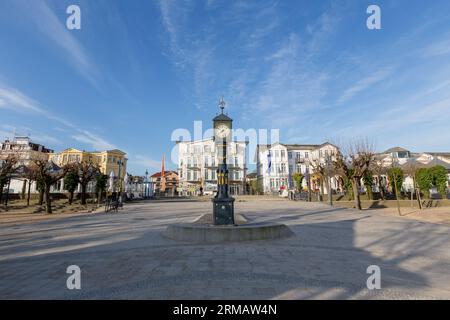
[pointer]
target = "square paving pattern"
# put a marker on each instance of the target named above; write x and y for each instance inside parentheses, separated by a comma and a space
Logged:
(125, 256)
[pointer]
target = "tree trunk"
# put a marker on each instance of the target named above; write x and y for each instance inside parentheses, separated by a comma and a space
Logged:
(396, 195)
(24, 189)
(368, 192)
(321, 190)
(1, 191)
(29, 193)
(83, 194)
(356, 193)
(48, 204)
(41, 197)
(100, 194)
(70, 197)
(380, 187)
(419, 198)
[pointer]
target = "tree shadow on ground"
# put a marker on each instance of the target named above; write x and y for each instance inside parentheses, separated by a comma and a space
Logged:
(324, 260)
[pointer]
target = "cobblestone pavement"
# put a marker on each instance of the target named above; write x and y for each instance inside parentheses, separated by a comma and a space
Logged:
(125, 255)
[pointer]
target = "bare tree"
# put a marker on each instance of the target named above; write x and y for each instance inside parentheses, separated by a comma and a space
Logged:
(7, 168)
(48, 173)
(87, 172)
(354, 161)
(30, 175)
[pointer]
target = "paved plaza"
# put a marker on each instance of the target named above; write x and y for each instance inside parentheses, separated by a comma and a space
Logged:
(125, 255)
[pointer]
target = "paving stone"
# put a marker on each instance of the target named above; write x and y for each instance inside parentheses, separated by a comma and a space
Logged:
(125, 256)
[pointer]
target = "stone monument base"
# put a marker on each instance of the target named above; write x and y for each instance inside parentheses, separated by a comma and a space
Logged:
(203, 231)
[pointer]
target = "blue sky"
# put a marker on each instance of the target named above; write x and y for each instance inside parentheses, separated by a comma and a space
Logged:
(137, 70)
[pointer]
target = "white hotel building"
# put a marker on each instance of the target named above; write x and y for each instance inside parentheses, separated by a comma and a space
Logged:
(276, 163)
(197, 165)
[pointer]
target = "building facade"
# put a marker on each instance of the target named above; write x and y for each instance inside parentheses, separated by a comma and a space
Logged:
(26, 151)
(406, 160)
(171, 183)
(277, 163)
(110, 162)
(197, 165)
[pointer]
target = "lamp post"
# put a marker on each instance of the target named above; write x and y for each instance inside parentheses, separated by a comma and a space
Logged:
(330, 191)
(119, 163)
(394, 174)
(146, 184)
(223, 203)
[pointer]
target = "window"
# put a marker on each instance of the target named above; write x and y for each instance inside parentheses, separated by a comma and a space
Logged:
(283, 167)
(283, 154)
(236, 161)
(206, 174)
(290, 155)
(213, 174)
(306, 155)
(277, 154)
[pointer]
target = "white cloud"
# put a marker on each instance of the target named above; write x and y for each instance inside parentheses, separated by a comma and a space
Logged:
(437, 49)
(145, 162)
(95, 141)
(15, 100)
(45, 20)
(364, 84)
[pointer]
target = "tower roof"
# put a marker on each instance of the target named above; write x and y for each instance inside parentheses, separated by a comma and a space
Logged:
(222, 117)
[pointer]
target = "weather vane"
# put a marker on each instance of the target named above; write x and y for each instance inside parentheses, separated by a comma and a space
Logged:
(222, 104)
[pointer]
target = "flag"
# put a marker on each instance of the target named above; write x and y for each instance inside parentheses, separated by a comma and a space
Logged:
(269, 162)
(163, 177)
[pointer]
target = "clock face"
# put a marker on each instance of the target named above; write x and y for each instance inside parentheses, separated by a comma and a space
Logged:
(222, 130)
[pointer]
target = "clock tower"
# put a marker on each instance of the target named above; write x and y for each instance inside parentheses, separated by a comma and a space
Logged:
(223, 203)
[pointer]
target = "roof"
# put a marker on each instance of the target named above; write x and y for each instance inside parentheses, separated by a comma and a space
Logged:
(439, 154)
(395, 149)
(158, 174)
(431, 163)
(222, 117)
(210, 139)
(295, 146)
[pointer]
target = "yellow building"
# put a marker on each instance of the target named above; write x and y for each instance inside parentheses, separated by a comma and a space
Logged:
(107, 161)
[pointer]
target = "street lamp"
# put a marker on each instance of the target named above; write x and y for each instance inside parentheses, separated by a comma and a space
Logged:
(394, 174)
(120, 163)
(330, 192)
(146, 184)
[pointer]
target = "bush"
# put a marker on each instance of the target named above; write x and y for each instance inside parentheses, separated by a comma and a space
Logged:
(438, 175)
(428, 177)
(298, 178)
